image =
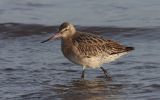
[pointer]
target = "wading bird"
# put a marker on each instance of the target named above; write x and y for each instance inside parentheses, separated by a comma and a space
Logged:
(87, 49)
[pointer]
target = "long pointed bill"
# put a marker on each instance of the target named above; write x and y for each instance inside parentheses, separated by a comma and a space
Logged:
(55, 36)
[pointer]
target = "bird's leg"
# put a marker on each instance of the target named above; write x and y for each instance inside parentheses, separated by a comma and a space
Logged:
(106, 73)
(83, 70)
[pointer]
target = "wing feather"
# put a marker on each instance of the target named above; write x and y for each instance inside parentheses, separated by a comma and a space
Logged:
(93, 45)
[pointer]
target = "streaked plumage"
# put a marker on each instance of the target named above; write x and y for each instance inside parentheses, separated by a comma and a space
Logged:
(87, 49)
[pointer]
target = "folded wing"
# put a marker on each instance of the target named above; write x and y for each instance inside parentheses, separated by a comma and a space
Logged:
(93, 45)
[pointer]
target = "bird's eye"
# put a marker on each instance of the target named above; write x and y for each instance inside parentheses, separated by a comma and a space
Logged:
(66, 29)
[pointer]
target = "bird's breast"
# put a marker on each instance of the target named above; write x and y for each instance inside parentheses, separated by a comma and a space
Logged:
(70, 52)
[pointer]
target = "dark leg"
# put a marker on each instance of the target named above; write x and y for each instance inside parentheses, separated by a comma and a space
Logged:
(106, 74)
(82, 76)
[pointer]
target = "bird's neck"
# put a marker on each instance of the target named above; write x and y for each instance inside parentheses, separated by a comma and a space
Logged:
(66, 46)
(66, 42)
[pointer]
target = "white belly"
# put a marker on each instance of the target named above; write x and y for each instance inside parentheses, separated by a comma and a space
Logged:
(95, 62)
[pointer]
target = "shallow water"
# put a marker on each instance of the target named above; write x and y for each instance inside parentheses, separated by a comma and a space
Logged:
(30, 70)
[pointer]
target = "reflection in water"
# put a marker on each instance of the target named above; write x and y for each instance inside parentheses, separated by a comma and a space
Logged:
(97, 89)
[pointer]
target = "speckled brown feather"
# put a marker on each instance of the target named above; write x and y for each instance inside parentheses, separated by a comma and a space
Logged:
(92, 45)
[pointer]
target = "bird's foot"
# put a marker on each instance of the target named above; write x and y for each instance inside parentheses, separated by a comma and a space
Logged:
(108, 77)
(82, 75)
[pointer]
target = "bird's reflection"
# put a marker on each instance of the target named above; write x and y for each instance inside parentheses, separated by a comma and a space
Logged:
(97, 89)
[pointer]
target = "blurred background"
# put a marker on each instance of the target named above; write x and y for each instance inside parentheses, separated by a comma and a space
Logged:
(137, 13)
(30, 70)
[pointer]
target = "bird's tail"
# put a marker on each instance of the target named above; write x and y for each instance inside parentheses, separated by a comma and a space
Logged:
(129, 48)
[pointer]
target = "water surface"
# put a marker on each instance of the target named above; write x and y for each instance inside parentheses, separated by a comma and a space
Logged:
(33, 71)
(124, 13)
(30, 70)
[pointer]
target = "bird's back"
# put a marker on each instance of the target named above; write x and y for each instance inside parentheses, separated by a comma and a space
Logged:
(93, 45)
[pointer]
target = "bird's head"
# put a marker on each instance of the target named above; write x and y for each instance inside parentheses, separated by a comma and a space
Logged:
(66, 30)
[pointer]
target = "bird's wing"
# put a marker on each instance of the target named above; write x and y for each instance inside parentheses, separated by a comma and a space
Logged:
(93, 45)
